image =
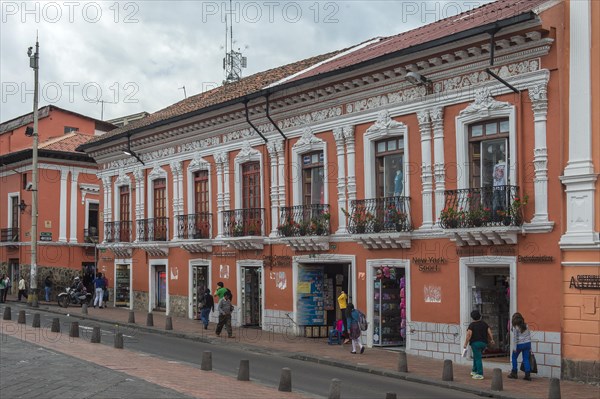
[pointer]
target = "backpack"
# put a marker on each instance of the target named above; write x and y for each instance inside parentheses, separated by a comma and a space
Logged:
(363, 324)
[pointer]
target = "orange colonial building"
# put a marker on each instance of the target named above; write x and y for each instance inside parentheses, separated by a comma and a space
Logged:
(426, 174)
(68, 196)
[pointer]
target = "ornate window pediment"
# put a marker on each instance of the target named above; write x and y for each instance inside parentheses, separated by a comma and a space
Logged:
(308, 142)
(157, 173)
(198, 163)
(385, 125)
(122, 179)
(247, 154)
(484, 103)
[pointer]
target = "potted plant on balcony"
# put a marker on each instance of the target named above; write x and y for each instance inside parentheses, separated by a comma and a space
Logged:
(320, 223)
(504, 217)
(516, 209)
(359, 219)
(238, 229)
(450, 217)
(396, 217)
(288, 228)
(304, 227)
(478, 215)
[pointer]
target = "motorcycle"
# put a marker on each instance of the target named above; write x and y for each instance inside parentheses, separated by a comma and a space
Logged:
(71, 297)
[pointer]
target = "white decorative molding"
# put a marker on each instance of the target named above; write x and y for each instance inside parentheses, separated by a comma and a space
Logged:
(384, 125)
(91, 189)
(139, 177)
(484, 103)
(308, 243)
(338, 134)
(122, 180)
(426, 172)
(74, 208)
(221, 159)
(497, 235)
(437, 122)
(275, 148)
(62, 229)
(196, 165)
(384, 240)
(157, 173)
(246, 243)
(308, 143)
(350, 155)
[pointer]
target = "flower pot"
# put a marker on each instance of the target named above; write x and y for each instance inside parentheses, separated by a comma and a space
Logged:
(377, 227)
(399, 227)
(451, 224)
(477, 222)
(360, 229)
(506, 220)
(517, 220)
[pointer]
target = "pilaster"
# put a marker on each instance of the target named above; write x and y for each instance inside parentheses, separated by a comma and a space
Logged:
(437, 121)
(74, 207)
(350, 153)
(338, 134)
(62, 230)
(426, 174)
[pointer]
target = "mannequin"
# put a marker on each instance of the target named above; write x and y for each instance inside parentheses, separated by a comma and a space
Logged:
(499, 183)
(398, 183)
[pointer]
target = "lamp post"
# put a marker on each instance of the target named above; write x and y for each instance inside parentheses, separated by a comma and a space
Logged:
(32, 299)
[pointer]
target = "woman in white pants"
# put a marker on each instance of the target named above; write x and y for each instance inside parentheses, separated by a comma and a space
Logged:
(99, 284)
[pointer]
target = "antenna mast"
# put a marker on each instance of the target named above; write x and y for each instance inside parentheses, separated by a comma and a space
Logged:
(234, 61)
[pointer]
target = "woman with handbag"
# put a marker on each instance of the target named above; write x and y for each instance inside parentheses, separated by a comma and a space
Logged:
(523, 345)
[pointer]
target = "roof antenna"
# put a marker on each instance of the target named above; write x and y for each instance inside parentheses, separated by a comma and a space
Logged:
(184, 93)
(234, 61)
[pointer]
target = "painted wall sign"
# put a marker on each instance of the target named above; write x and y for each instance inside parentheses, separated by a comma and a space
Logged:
(585, 282)
(45, 236)
(277, 261)
(496, 250)
(430, 264)
(536, 259)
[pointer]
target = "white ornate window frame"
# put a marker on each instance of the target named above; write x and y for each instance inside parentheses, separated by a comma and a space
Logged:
(87, 212)
(198, 164)
(384, 127)
(308, 143)
(122, 180)
(191, 264)
(238, 267)
(9, 218)
(247, 154)
(157, 173)
(484, 108)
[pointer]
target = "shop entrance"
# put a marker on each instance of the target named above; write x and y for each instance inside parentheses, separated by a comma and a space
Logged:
(336, 280)
(251, 296)
(160, 287)
(490, 295)
(199, 285)
(122, 285)
(389, 306)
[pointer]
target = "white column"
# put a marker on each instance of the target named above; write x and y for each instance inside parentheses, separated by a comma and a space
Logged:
(539, 103)
(437, 120)
(426, 175)
(350, 151)
(74, 207)
(273, 161)
(176, 176)
(106, 212)
(281, 173)
(220, 208)
(226, 186)
(338, 134)
(62, 229)
(578, 177)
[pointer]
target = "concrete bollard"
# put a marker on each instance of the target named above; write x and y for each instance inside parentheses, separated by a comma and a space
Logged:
(131, 317)
(497, 384)
(95, 335)
(36, 321)
(554, 391)
(402, 362)
(55, 325)
(206, 364)
(448, 372)
(74, 331)
(168, 323)
(150, 320)
(390, 395)
(285, 381)
(7, 314)
(244, 372)
(335, 389)
(84, 309)
(119, 340)
(21, 319)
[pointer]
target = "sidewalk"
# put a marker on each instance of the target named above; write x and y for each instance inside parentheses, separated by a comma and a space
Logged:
(375, 360)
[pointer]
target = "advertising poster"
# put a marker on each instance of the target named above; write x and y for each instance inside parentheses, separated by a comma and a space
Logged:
(311, 298)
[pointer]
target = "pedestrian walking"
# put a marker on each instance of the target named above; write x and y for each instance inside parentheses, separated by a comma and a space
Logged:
(7, 287)
(22, 289)
(355, 329)
(99, 286)
(48, 286)
(225, 308)
(220, 291)
(343, 303)
(523, 345)
(206, 306)
(478, 336)
(2, 287)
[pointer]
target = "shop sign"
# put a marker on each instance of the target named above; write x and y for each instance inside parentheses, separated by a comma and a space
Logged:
(277, 261)
(585, 282)
(494, 250)
(225, 254)
(536, 259)
(45, 236)
(430, 264)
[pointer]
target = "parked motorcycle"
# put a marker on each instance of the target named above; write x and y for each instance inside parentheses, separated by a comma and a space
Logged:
(71, 297)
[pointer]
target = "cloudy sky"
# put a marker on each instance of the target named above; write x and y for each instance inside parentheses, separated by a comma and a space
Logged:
(137, 55)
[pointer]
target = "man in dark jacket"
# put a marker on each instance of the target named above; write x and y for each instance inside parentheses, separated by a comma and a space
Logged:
(206, 306)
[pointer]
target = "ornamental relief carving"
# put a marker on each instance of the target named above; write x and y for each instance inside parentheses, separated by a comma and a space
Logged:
(483, 102)
(384, 124)
(306, 119)
(308, 138)
(247, 153)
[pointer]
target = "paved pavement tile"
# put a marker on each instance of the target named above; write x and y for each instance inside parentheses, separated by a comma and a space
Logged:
(378, 360)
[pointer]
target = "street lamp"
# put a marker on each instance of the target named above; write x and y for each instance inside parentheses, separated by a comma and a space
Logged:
(34, 63)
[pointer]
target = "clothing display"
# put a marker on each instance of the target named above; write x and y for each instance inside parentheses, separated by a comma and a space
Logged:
(389, 320)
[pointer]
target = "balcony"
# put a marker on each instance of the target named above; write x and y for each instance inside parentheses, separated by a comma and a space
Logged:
(195, 227)
(247, 223)
(154, 229)
(483, 216)
(90, 236)
(9, 235)
(380, 223)
(306, 227)
(116, 235)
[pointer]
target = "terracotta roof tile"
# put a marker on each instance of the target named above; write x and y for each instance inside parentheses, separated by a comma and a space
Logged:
(67, 143)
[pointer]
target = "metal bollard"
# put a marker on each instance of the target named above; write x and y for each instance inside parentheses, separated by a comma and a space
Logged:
(285, 381)
(168, 323)
(74, 331)
(206, 364)
(36, 321)
(21, 319)
(402, 362)
(95, 335)
(131, 317)
(55, 325)
(244, 372)
(497, 384)
(150, 320)
(448, 372)
(335, 389)
(119, 340)
(7, 314)
(554, 391)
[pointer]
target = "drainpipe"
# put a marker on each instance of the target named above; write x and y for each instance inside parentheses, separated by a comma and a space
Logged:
(251, 124)
(489, 71)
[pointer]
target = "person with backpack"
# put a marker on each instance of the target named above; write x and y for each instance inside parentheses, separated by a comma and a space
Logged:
(355, 329)
(206, 306)
(225, 308)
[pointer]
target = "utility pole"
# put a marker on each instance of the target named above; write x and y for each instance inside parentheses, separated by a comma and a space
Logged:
(32, 299)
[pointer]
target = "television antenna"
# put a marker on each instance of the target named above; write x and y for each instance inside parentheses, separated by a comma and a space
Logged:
(234, 61)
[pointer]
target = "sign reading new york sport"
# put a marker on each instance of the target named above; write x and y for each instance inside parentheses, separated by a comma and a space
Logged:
(311, 298)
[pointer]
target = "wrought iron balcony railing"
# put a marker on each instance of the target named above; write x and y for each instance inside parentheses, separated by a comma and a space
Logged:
(153, 229)
(485, 206)
(195, 226)
(305, 220)
(243, 222)
(117, 231)
(9, 235)
(379, 215)
(90, 235)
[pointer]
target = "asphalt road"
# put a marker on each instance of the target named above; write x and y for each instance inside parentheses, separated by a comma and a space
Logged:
(265, 367)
